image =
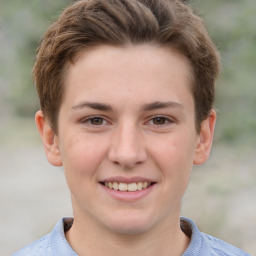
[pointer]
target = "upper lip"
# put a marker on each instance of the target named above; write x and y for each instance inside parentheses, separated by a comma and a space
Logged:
(127, 179)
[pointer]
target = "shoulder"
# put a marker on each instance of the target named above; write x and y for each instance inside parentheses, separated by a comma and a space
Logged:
(220, 247)
(207, 245)
(40, 247)
(53, 244)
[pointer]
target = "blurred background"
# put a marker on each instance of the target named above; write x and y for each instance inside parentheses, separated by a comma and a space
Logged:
(222, 195)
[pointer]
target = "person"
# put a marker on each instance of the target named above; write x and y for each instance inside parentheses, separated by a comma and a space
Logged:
(126, 91)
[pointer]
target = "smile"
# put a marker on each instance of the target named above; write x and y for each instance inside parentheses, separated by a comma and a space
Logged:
(131, 187)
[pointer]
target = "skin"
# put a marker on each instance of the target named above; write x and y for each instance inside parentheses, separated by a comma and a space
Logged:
(127, 112)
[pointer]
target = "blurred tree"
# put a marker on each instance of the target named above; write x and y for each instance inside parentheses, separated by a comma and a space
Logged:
(22, 23)
(231, 24)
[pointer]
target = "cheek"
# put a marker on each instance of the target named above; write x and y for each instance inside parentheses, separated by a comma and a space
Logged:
(82, 155)
(174, 155)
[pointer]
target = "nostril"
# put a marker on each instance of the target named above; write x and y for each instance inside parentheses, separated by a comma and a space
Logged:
(116, 162)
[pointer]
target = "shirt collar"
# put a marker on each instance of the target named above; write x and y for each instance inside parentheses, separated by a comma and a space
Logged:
(58, 242)
(60, 246)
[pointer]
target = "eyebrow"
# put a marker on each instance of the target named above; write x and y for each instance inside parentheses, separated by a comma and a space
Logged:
(93, 105)
(158, 105)
(146, 107)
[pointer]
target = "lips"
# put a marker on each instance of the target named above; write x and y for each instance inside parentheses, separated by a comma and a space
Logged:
(128, 189)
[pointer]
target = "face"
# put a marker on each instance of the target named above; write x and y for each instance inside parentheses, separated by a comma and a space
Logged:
(127, 137)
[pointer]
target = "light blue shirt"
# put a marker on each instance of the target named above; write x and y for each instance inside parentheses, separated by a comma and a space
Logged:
(55, 243)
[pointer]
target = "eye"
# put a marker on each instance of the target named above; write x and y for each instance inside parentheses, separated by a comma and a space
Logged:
(95, 121)
(160, 120)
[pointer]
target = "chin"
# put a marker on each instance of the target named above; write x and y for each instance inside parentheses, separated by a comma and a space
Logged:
(129, 224)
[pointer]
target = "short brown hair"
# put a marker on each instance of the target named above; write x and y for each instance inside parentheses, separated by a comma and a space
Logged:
(88, 23)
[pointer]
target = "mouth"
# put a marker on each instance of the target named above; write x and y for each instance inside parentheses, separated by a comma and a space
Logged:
(127, 187)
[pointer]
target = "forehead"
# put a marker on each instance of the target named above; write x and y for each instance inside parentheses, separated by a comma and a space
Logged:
(154, 53)
(140, 70)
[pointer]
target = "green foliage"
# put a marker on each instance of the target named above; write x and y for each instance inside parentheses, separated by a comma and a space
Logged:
(231, 24)
(22, 23)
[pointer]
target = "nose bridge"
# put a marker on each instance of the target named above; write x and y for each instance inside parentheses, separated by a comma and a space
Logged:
(127, 147)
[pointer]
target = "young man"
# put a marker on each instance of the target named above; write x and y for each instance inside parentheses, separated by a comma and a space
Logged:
(126, 89)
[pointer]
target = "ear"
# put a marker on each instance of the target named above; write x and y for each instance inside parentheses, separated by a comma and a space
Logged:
(49, 138)
(205, 139)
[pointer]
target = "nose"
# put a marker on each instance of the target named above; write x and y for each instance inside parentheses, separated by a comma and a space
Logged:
(127, 147)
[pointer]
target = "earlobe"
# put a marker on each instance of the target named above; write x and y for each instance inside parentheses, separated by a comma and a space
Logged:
(49, 138)
(205, 139)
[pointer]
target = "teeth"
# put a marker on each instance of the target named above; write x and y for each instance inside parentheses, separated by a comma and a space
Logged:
(144, 185)
(115, 186)
(123, 186)
(132, 187)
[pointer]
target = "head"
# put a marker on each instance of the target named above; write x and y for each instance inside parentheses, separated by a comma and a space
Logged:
(90, 23)
(126, 90)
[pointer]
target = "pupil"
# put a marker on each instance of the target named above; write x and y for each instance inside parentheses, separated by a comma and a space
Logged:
(97, 121)
(159, 120)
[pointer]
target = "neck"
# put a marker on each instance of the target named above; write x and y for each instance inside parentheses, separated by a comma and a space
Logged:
(163, 240)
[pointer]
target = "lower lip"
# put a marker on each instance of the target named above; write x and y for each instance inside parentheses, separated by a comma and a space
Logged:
(128, 196)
